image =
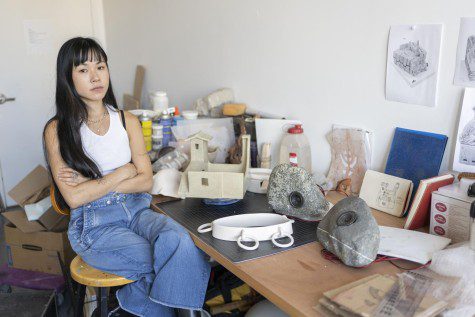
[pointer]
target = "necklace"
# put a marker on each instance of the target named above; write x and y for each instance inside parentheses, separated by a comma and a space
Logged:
(98, 122)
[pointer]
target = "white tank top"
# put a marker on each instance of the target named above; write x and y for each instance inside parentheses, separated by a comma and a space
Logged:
(111, 150)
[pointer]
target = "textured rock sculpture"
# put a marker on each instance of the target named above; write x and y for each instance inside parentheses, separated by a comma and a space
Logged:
(350, 232)
(293, 192)
(470, 57)
(411, 58)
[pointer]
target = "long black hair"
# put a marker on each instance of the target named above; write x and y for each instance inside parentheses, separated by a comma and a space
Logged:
(71, 111)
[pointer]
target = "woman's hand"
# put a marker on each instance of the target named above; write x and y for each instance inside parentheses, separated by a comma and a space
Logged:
(71, 177)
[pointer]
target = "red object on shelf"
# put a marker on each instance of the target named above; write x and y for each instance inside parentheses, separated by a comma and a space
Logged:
(296, 129)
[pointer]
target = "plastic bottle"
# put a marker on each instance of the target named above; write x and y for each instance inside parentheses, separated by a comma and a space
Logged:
(295, 149)
(146, 123)
(174, 159)
(159, 101)
(157, 136)
(166, 122)
(176, 116)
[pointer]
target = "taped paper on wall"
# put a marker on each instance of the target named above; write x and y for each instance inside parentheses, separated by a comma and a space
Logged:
(413, 63)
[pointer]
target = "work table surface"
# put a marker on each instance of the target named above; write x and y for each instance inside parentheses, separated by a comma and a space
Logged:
(295, 280)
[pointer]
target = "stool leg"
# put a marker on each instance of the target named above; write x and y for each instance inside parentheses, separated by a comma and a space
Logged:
(78, 312)
(103, 296)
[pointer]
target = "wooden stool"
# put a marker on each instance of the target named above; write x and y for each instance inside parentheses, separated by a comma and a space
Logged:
(89, 276)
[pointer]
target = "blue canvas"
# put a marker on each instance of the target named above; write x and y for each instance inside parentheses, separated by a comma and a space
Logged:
(415, 155)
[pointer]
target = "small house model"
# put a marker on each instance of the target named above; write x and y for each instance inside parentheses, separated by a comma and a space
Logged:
(203, 179)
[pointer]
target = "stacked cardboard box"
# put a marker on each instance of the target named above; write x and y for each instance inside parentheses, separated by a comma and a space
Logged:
(36, 245)
(450, 212)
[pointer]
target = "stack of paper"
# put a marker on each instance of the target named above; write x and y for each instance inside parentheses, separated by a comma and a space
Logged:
(364, 298)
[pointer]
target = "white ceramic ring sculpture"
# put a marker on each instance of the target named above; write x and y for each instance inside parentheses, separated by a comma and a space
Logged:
(251, 228)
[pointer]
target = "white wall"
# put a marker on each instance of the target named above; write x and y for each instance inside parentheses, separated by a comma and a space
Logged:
(31, 78)
(320, 61)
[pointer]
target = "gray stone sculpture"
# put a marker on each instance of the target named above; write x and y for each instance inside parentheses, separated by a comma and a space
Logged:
(470, 58)
(411, 58)
(293, 192)
(350, 232)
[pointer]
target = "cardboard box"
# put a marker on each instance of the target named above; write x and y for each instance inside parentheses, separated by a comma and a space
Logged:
(37, 251)
(450, 212)
(31, 189)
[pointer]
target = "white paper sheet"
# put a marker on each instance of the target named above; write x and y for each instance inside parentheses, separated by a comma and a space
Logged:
(36, 210)
(465, 61)
(410, 245)
(464, 155)
(402, 83)
(38, 36)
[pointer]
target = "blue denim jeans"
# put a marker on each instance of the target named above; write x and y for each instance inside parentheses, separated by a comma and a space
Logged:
(119, 234)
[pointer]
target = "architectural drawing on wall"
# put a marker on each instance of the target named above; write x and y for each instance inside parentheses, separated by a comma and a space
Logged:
(464, 156)
(410, 60)
(465, 61)
(387, 195)
(470, 58)
(413, 62)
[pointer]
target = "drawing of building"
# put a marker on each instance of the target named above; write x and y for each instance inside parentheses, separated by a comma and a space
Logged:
(470, 57)
(411, 58)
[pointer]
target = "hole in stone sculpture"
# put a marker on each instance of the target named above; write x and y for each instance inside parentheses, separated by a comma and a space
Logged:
(197, 146)
(347, 218)
(204, 182)
(296, 199)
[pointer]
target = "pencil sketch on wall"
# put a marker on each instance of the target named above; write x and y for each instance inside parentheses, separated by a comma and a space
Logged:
(412, 64)
(464, 156)
(465, 62)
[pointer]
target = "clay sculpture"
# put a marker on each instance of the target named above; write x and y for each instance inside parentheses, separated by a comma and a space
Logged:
(293, 192)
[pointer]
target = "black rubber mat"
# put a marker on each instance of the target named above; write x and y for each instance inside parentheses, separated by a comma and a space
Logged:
(191, 213)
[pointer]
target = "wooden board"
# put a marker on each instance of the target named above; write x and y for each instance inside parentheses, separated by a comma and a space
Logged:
(138, 84)
(130, 103)
(295, 280)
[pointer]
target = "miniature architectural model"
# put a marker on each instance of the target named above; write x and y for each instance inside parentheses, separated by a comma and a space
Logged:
(411, 58)
(203, 179)
(470, 57)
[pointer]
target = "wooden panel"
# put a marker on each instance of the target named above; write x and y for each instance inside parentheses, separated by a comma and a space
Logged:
(138, 84)
(130, 103)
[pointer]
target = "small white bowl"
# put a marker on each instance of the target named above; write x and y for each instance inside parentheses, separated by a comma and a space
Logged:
(138, 112)
(189, 114)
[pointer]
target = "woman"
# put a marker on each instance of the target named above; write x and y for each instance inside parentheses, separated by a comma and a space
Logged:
(98, 160)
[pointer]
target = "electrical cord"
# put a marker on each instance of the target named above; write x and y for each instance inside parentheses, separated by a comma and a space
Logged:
(379, 258)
